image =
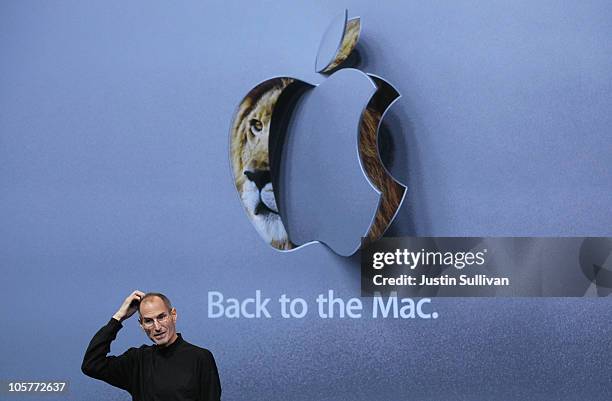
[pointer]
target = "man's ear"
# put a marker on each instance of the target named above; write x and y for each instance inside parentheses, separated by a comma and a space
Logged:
(173, 314)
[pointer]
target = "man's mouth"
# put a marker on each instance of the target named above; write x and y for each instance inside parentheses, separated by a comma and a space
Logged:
(158, 336)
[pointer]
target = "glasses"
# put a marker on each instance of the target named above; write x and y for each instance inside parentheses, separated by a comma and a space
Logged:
(149, 322)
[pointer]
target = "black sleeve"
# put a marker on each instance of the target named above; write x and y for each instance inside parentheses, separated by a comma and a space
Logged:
(211, 386)
(115, 370)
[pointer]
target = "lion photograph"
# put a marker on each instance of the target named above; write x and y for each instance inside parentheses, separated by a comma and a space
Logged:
(249, 153)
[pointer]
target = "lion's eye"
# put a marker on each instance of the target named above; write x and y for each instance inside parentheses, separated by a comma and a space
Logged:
(255, 126)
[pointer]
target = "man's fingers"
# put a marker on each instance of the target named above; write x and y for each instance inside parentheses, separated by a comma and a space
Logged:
(135, 295)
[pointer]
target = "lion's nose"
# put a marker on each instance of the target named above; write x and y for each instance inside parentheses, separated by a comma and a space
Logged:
(259, 177)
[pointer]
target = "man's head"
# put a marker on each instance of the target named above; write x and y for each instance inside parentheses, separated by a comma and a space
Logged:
(158, 318)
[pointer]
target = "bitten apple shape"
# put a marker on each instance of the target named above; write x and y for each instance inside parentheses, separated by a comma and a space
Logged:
(324, 193)
(305, 158)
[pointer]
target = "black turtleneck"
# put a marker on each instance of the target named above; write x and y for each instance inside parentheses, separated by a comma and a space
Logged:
(177, 372)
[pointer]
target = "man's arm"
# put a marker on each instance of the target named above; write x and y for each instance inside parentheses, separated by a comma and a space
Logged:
(211, 385)
(115, 370)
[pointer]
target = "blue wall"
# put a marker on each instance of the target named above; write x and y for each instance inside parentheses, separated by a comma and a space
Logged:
(114, 121)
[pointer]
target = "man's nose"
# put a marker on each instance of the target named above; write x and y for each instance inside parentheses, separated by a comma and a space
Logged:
(156, 325)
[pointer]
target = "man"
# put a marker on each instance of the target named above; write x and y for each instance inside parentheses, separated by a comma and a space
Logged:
(172, 369)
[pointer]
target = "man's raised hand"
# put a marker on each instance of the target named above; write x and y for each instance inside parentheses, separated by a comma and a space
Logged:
(129, 306)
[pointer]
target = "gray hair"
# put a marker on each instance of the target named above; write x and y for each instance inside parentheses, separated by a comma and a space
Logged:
(158, 295)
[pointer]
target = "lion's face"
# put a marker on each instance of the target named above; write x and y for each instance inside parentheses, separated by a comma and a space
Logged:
(250, 158)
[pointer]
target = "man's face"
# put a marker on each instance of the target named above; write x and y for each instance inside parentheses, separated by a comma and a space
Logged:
(157, 321)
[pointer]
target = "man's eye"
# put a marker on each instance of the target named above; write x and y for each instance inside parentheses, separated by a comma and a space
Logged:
(148, 321)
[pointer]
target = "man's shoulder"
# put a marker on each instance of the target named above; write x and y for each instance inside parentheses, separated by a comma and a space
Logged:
(204, 353)
(135, 351)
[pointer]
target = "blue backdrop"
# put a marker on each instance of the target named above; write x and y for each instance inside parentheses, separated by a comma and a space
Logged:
(114, 175)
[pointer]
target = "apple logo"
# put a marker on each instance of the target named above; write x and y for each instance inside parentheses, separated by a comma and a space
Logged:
(305, 158)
